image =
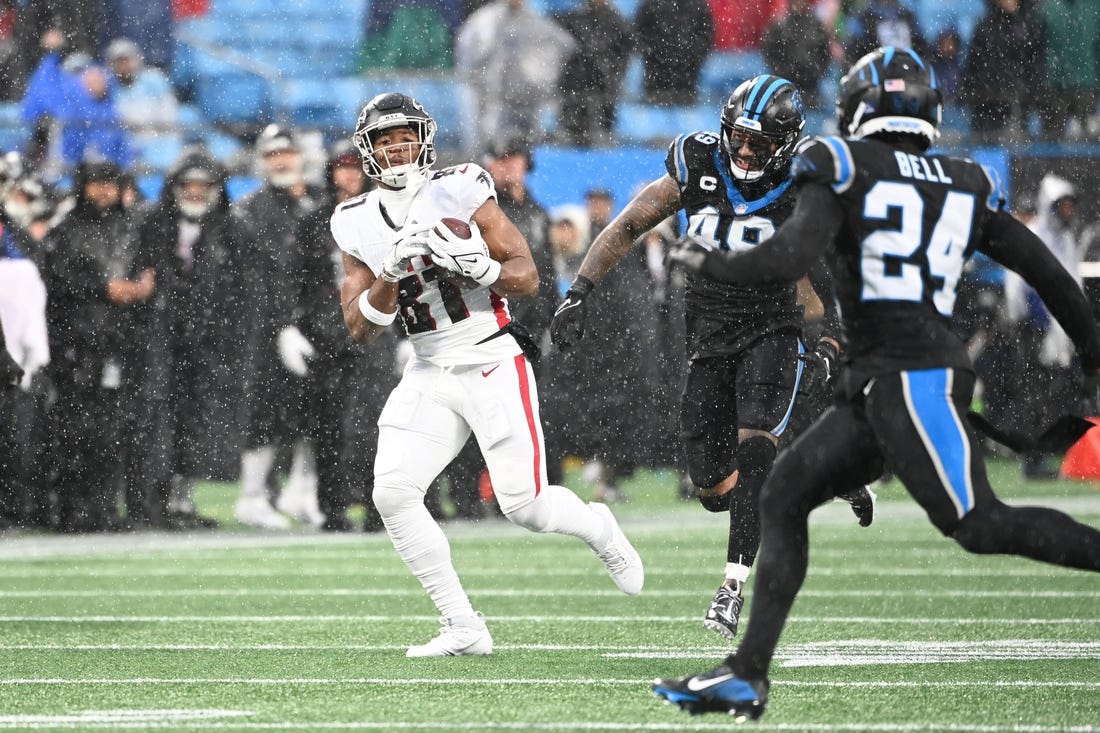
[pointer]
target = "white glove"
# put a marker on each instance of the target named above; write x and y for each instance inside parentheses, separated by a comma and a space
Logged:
(466, 257)
(396, 264)
(295, 350)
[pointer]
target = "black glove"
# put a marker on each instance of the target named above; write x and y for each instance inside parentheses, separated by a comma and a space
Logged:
(567, 328)
(821, 364)
(687, 253)
(10, 371)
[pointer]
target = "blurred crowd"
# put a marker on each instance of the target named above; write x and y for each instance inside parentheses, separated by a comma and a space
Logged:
(557, 72)
(197, 335)
(192, 337)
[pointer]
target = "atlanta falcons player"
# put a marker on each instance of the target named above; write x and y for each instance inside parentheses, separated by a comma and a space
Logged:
(469, 371)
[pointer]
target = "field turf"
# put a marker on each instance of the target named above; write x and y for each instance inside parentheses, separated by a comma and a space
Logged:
(897, 630)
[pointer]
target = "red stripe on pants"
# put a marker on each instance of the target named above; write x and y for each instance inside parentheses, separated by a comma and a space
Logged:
(528, 410)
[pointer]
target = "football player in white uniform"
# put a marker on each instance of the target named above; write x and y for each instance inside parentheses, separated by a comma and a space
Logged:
(468, 372)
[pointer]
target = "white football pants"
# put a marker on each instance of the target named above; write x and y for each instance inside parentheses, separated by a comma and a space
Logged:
(425, 423)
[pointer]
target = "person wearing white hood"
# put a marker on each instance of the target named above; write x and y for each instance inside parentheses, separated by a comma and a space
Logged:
(1046, 366)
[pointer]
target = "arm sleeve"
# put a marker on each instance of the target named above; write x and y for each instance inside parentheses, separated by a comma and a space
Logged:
(1016, 247)
(790, 252)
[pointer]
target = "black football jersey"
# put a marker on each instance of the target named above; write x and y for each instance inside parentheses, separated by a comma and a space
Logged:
(729, 215)
(910, 222)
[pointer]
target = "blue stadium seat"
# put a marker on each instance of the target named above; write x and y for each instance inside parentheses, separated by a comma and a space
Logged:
(13, 133)
(646, 124)
(235, 97)
(724, 70)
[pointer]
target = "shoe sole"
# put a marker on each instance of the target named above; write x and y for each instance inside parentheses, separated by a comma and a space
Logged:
(696, 705)
(719, 628)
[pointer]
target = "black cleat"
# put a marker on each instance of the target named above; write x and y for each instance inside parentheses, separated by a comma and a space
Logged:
(862, 501)
(724, 612)
(716, 691)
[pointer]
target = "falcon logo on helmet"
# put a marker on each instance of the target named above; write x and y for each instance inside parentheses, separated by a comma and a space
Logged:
(387, 111)
(890, 90)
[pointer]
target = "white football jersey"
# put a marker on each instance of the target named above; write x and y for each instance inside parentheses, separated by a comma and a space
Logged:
(447, 324)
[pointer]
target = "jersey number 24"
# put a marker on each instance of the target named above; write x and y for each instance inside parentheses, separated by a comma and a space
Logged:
(892, 259)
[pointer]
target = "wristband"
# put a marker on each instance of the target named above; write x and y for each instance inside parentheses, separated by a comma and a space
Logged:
(582, 286)
(372, 314)
(492, 273)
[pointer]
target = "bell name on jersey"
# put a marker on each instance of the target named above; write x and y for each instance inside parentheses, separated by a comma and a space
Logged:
(448, 323)
(910, 222)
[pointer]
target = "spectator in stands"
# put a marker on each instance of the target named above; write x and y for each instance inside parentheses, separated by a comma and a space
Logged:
(1071, 31)
(92, 298)
(77, 95)
(409, 34)
(11, 67)
(272, 213)
(591, 83)
(512, 57)
(796, 47)
(43, 26)
(143, 95)
(947, 61)
(1046, 352)
(740, 26)
(602, 387)
(510, 161)
(883, 23)
(24, 350)
(570, 235)
(1000, 78)
(345, 390)
(674, 38)
(191, 375)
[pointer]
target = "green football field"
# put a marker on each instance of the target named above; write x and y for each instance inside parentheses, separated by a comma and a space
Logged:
(897, 630)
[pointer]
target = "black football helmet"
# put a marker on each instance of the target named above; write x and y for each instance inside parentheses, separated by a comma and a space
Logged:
(768, 109)
(890, 90)
(393, 109)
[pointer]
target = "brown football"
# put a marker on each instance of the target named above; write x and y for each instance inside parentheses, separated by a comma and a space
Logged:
(460, 228)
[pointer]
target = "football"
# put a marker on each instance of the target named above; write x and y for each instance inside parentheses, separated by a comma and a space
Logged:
(460, 228)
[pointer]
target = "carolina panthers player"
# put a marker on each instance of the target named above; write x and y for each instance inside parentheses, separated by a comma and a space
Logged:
(746, 358)
(898, 223)
(468, 372)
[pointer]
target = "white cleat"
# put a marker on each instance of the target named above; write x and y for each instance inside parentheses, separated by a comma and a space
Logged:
(619, 557)
(300, 505)
(256, 511)
(455, 641)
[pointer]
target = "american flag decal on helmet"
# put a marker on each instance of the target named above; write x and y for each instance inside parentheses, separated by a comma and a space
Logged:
(893, 85)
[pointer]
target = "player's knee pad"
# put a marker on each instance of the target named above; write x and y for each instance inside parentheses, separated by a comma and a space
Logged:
(537, 515)
(755, 456)
(980, 531)
(391, 498)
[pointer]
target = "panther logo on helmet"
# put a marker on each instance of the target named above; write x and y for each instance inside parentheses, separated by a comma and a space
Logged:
(766, 114)
(386, 111)
(890, 90)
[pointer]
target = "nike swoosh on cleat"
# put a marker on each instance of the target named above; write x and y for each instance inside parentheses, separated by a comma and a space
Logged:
(697, 685)
(487, 373)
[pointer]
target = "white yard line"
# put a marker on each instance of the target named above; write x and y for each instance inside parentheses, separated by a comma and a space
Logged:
(250, 569)
(513, 593)
(367, 618)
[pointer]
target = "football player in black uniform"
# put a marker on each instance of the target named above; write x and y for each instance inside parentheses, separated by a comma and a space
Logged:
(901, 223)
(744, 347)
